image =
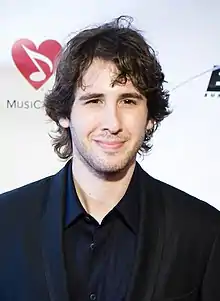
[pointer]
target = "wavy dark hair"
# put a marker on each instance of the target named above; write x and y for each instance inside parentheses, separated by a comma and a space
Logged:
(119, 42)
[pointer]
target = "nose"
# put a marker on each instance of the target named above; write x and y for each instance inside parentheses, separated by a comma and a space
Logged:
(111, 119)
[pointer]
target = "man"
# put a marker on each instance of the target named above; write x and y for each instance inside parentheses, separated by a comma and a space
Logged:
(102, 228)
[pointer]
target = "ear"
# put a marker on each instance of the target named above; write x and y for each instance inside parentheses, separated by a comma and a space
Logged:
(64, 122)
(150, 124)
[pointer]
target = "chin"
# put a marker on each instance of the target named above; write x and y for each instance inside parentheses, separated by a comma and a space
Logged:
(107, 167)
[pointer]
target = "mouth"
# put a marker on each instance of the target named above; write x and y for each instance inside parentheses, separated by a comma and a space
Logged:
(110, 144)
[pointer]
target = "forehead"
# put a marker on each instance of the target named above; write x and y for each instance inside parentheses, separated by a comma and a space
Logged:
(99, 78)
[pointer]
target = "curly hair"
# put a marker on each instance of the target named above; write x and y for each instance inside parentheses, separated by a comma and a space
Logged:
(119, 42)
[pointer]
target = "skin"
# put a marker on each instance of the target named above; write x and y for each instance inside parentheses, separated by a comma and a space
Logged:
(108, 125)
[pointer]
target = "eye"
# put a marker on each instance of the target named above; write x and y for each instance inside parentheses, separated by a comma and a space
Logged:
(93, 101)
(129, 101)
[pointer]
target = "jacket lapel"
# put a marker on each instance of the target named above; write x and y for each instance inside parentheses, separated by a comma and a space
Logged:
(52, 229)
(150, 240)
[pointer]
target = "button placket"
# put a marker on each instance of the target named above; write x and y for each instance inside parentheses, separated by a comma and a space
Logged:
(92, 247)
(93, 244)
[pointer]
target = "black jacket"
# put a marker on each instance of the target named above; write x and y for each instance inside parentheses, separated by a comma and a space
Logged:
(178, 254)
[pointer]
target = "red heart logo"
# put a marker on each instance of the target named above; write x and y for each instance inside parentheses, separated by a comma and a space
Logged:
(36, 65)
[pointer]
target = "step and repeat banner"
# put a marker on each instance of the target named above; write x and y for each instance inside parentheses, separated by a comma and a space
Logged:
(186, 37)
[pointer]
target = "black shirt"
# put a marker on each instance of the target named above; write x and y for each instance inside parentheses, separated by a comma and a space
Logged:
(99, 258)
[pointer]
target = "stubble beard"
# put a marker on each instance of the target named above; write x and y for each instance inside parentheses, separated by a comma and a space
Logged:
(100, 165)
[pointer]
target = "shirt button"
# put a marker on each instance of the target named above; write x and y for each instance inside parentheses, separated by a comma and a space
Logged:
(87, 219)
(92, 246)
(92, 297)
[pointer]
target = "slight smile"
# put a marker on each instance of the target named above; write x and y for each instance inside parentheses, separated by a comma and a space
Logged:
(109, 144)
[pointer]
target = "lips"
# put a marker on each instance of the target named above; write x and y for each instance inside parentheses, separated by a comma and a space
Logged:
(110, 144)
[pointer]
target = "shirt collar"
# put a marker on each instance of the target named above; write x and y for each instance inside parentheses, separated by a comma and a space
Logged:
(128, 207)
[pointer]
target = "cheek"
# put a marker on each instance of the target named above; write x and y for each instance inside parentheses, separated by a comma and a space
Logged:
(83, 124)
(136, 124)
(138, 131)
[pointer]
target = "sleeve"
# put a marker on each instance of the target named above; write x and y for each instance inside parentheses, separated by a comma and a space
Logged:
(210, 290)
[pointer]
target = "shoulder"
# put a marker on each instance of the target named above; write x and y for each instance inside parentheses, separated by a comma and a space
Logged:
(183, 208)
(28, 198)
(184, 201)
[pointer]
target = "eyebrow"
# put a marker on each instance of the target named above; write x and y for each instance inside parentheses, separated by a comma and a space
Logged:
(88, 96)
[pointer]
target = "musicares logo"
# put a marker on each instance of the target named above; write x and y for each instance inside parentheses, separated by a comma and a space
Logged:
(35, 64)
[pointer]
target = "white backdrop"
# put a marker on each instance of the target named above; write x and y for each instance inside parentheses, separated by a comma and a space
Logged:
(185, 34)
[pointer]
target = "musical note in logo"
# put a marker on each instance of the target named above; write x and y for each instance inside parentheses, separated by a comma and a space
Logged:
(39, 75)
(36, 63)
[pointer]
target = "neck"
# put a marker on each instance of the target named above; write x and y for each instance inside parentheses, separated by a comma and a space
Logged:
(100, 194)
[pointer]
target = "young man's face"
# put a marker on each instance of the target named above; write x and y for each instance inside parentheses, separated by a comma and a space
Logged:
(108, 123)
